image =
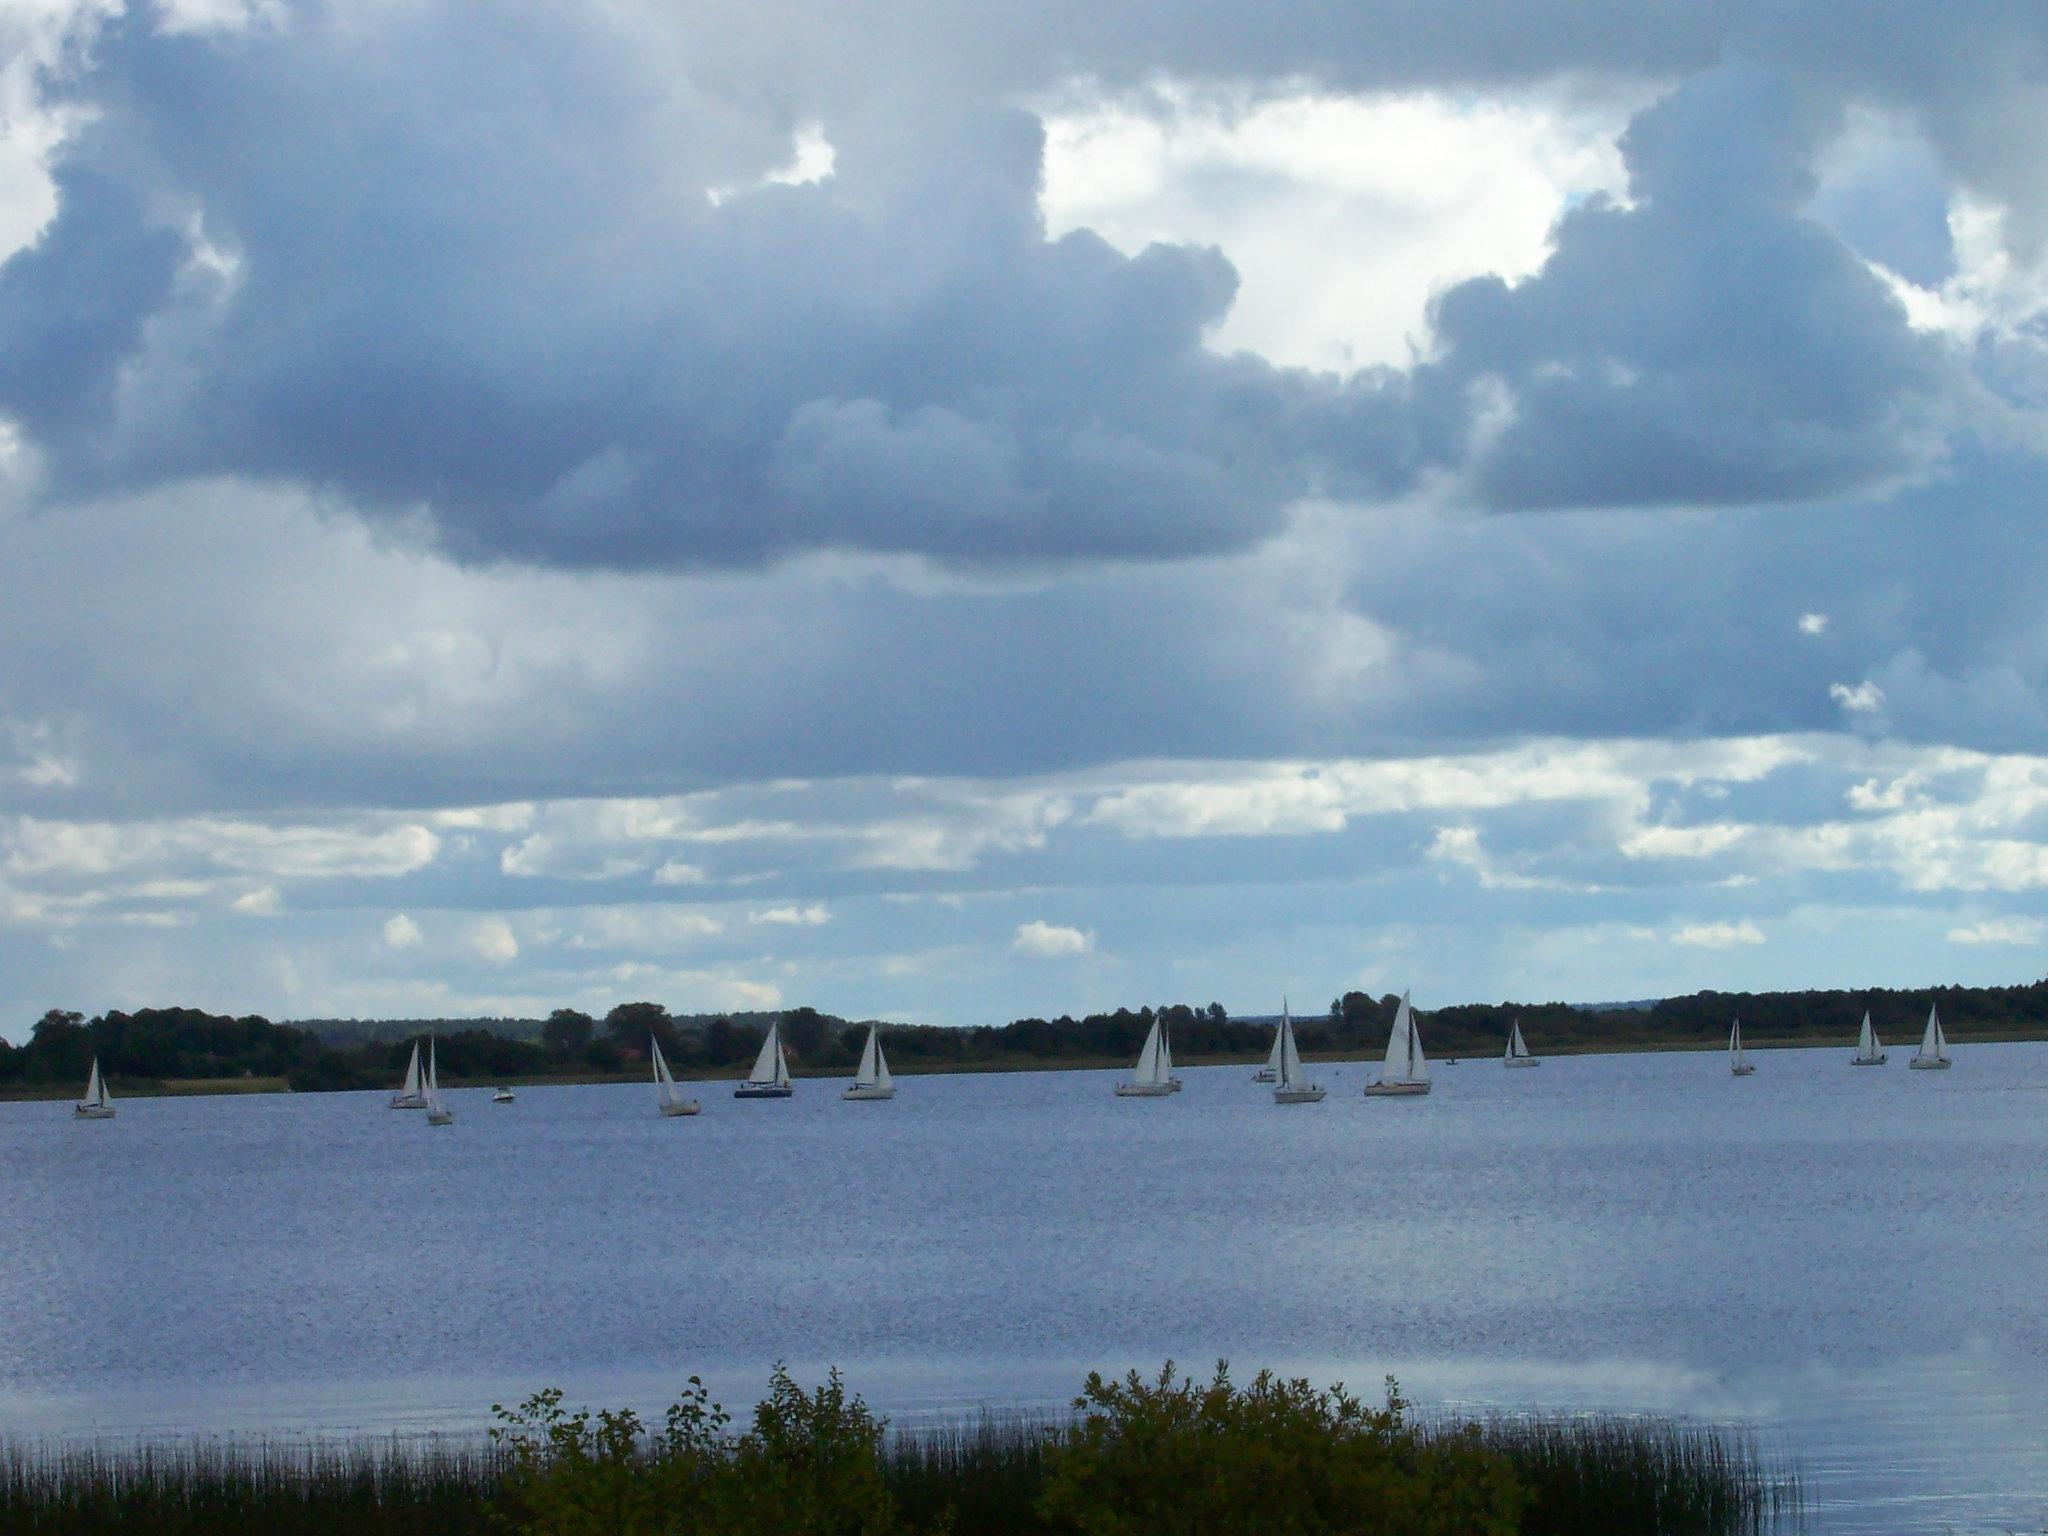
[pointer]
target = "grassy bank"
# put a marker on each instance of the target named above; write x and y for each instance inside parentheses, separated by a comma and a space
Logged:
(1163, 1454)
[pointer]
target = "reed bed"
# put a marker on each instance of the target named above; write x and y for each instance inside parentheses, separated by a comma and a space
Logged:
(287, 1488)
(1582, 1476)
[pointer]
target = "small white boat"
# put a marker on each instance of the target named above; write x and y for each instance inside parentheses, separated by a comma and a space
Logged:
(1152, 1079)
(672, 1102)
(1294, 1086)
(1738, 1060)
(438, 1113)
(1869, 1052)
(503, 1096)
(1405, 1072)
(872, 1080)
(1270, 1072)
(770, 1077)
(413, 1094)
(98, 1104)
(1933, 1053)
(1518, 1050)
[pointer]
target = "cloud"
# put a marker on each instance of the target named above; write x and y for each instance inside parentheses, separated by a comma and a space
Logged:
(264, 901)
(1863, 699)
(794, 917)
(493, 939)
(1718, 935)
(1813, 623)
(2001, 930)
(1049, 941)
(401, 932)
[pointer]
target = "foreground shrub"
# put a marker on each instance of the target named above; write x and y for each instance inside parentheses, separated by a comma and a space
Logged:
(1275, 1458)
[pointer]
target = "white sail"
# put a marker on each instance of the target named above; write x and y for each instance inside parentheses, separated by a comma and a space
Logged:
(433, 1073)
(1291, 1075)
(1737, 1060)
(1406, 1062)
(1165, 1051)
(882, 1077)
(1516, 1047)
(1149, 1070)
(412, 1073)
(95, 1089)
(664, 1084)
(1933, 1044)
(1866, 1042)
(769, 1066)
(869, 1072)
(1273, 1056)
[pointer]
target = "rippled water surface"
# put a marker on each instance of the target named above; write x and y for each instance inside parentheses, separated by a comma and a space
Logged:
(1855, 1262)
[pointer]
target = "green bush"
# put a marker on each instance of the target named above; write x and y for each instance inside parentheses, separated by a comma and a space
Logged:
(1276, 1458)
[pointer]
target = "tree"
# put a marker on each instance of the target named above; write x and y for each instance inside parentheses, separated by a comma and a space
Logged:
(567, 1032)
(628, 1026)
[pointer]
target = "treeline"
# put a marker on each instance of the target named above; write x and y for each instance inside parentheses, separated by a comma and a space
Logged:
(182, 1044)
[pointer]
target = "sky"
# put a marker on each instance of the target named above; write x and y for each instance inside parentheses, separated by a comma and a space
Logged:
(951, 511)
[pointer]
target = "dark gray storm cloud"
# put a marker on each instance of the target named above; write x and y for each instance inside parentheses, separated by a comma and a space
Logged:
(1710, 344)
(460, 259)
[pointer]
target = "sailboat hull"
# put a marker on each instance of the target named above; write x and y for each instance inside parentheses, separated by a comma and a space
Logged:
(1930, 1063)
(1743, 1071)
(1146, 1090)
(763, 1091)
(1522, 1061)
(1869, 1061)
(1309, 1095)
(408, 1101)
(92, 1112)
(680, 1107)
(1396, 1090)
(866, 1091)
(504, 1096)
(1265, 1075)
(440, 1117)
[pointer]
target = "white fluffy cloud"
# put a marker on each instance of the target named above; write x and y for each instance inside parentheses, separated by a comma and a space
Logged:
(401, 932)
(1718, 935)
(493, 939)
(1051, 941)
(2001, 930)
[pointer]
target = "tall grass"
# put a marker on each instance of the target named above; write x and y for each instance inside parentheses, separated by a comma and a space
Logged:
(1616, 1476)
(1586, 1476)
(289, 1488)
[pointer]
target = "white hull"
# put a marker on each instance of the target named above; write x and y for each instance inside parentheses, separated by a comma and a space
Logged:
(1522, 1061)
(680, 1107)
(92, 1112)
(1868, 1061)
(1396, 1090)
(763, 1091)
(408, 1101)
(1298, 1095)
(1742, 1071)
(1930, 1063)
(503, 1096)
(869, 1091)
(1146, 1090)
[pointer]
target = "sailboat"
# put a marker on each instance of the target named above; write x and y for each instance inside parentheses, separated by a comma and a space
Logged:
(871, 1080)
(1152, 1079)
(1933, 1053)
(1869, 1053)
(438, 1113)
(1294, 1086)
(1270, 1072)
(503, 1096)
(411, 1096)
(1518, 1050)
(1405, 1073)
(1738, 1062)
(98, 1104)
(672, 1103)
(770, 1077)
(1166, 1058)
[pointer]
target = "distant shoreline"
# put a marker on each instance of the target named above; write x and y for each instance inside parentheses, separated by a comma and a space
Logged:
(182, 1088)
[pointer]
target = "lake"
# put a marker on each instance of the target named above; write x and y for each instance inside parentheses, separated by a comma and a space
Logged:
(1852, 1262)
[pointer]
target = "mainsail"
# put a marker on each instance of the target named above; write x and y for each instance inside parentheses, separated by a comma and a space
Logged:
(873, 1071)
(1405, 1061)
(1933, 1043)
(1151, 1067)
(1291, 1075)
(769, 1066)
(1866, 1042)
